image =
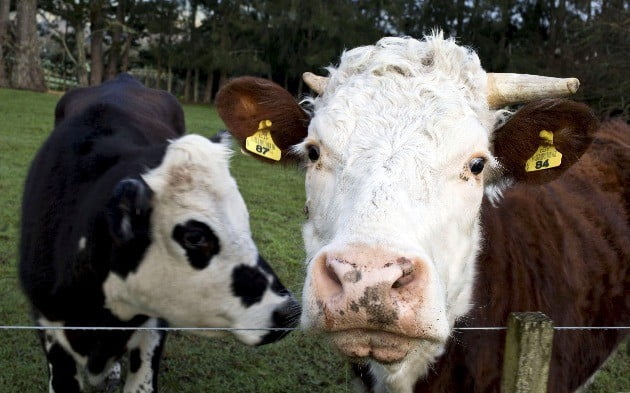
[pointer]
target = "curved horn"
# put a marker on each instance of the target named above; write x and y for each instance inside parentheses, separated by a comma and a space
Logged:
(504, 89)
(315, 82)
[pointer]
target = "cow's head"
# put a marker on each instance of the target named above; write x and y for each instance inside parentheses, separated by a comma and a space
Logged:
(183, 251)
(400, 146)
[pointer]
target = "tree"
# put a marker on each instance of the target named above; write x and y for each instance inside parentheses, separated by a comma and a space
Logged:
(97, 24)
(27, 73)
(281, 39)
(192, 45)
(81, 62)
(115, 48)
(4, 26)
(158, 21)
(75, 13)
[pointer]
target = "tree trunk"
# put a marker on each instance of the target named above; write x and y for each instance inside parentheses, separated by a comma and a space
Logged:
(187, 86)
(124, 63)
(472, 24)
(501, 60)
(28, 72)
(82, 75)
(223, 78)
(555, 21)
(207, 92)
(96, 27)
(562, 8)
(191, 80)
(169, 78)
(158, 77)
(64, 85)
(460, 17)
(196, 86)
(4, 25)
(114, 50)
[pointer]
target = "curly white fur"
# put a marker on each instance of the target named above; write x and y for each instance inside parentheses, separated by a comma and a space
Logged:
(397, 126)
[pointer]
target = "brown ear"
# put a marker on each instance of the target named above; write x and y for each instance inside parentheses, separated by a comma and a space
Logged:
(246, 101)
(573, 126)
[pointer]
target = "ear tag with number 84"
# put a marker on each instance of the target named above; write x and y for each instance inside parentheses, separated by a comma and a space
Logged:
(547, 156)
(261, 142)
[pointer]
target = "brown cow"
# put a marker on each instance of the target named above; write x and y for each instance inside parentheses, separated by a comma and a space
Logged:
(573, 268)
(430, 207)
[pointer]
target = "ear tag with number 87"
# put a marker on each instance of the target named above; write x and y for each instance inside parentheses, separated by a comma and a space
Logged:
(261, 142)
(547, 156)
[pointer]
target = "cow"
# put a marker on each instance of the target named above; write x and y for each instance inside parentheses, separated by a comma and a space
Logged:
(128, 223)
(431, 207)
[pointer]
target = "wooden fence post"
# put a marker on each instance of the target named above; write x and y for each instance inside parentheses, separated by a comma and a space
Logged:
(527, 353)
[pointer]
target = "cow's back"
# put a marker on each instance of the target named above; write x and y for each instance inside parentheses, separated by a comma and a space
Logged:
(157, 111)
(562, 249)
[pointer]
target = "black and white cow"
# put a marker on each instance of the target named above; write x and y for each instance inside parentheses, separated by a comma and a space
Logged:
(128, 223)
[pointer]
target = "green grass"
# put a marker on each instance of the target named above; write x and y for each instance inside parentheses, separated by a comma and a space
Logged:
(275, 197)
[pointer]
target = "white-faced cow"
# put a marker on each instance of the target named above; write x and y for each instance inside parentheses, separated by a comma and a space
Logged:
(128, 223)
(429, 208)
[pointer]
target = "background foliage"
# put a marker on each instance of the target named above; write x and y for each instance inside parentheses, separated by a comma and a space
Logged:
(190, 47)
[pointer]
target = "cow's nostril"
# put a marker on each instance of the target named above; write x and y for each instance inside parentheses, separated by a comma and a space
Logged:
(330, 272)
(402, 281)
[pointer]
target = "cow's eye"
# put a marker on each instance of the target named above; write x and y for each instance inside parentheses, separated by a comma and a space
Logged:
(313, 153)
(195, 239)
(476, 165)
(199, 242)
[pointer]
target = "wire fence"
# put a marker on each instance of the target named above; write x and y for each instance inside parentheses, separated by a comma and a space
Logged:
(344, 380)
(193, 329)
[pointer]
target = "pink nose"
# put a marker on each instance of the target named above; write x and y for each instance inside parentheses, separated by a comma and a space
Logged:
(366, 288)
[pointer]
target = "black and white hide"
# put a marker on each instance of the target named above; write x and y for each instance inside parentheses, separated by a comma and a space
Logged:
(128, 223)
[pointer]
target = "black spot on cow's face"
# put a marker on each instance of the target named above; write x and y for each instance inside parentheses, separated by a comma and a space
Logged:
(276, 285)
(200, 243)
(249, 283)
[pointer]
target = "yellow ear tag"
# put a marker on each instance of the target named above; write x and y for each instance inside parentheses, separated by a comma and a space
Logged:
(547, 156)
(261, 142)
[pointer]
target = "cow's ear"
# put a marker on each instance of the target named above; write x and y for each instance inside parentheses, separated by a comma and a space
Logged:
(128, 210)
(543, 139)
(263, 117)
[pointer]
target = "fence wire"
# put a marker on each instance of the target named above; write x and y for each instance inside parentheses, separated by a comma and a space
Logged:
(193, 329)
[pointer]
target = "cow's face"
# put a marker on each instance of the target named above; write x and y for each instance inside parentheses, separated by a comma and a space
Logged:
(197, 265)
(396, 159)
(400, 147)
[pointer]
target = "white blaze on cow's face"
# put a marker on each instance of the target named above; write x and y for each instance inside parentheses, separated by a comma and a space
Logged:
(201, 267)
(394, 187)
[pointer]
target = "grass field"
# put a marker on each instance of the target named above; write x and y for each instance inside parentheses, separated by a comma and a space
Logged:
(275, 197)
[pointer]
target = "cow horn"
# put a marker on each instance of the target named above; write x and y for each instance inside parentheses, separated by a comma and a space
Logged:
(504, 89)
(315, 82)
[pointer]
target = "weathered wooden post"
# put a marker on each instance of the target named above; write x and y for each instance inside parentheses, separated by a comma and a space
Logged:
(527, 353)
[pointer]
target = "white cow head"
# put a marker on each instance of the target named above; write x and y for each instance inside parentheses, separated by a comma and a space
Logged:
(399, 148)
(183, 249)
